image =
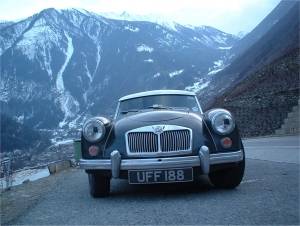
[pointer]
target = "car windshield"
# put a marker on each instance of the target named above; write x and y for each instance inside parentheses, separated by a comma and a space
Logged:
(170, 102)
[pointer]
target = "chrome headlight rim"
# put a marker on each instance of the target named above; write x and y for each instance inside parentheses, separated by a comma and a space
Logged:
(94, 122)
(215, 115)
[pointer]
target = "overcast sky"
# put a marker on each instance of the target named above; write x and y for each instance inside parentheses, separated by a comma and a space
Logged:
(228, 15)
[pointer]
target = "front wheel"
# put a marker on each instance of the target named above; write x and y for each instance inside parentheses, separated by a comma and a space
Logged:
(228, 178)
(99, 185)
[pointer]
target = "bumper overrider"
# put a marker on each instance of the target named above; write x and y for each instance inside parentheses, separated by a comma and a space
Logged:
(204, 160)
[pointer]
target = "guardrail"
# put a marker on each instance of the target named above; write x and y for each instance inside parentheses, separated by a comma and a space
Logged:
(6, 172)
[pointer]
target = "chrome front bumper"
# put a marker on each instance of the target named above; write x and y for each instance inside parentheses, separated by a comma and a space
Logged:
(204, 160)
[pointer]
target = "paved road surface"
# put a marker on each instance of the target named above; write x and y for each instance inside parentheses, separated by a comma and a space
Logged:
(269, 194)
(277, 149)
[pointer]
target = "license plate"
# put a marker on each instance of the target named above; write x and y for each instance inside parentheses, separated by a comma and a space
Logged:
(160, 176)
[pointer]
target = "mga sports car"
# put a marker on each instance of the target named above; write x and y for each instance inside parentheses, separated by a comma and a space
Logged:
(162, 136)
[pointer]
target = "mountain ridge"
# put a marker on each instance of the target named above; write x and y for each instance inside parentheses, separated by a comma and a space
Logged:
(277, 41)
(60, 67)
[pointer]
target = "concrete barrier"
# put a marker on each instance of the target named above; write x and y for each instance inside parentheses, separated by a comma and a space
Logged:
(59, 166)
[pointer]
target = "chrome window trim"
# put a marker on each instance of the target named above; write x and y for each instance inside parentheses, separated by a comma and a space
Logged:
(159, 153)
(199, 106)
(155, 93)
(117, 110)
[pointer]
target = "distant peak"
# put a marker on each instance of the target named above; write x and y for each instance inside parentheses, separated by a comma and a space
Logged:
(50, 11)
(241, 34)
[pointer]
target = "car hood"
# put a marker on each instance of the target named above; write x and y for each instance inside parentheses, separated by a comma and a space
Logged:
(156, 116)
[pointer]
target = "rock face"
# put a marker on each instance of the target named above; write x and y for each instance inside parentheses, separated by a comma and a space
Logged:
(59, 67)
(265, 79)
(279, 40)
(291, 125)
(262, 101)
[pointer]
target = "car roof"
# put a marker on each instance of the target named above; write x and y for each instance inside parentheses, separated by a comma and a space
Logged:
(157, 92)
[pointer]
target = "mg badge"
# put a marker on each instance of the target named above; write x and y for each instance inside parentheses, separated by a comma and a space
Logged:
(158, 129)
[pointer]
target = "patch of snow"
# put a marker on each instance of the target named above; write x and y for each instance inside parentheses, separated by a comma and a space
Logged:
(4, 91)
(227, 47)
(197, 86)
(63, 142)
(149, 60)
(168, 24)
(15, 33)
(168, 39)
(39, 36)
(12, 88)
(131, 28)
(68, 104)
(144, 48)
(196, 39)
(213, 40)
(206, 40)
(88, 71)
(85, 97)
(45, 59)
(241, 34)
(73, 125)
(98, 58)
(215, 71)
(20, 119)
(156, 75)
(220, 39)
(217, 67)
(218, 63)
(74, 17)
(29, 174)
(175, 73)
(70, 49)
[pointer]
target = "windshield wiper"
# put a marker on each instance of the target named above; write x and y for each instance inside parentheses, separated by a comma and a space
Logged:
(131, 110)
(157, 106)
(181, 108)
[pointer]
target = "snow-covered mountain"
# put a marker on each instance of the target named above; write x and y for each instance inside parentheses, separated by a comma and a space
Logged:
(60, 66)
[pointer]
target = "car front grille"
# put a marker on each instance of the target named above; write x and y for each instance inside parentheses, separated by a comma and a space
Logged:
(172, 140)
(142, 142)
(176, 140)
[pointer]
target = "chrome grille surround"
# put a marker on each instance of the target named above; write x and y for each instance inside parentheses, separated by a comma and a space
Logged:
(159, 140)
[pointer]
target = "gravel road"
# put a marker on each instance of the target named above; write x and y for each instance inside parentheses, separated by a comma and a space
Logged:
(269, 194)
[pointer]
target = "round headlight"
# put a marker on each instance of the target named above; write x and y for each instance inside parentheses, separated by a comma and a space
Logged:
(93, 130)
(222, 122)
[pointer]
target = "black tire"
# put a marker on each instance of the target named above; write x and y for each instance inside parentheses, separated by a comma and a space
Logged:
(228, 178)
(99, 185)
